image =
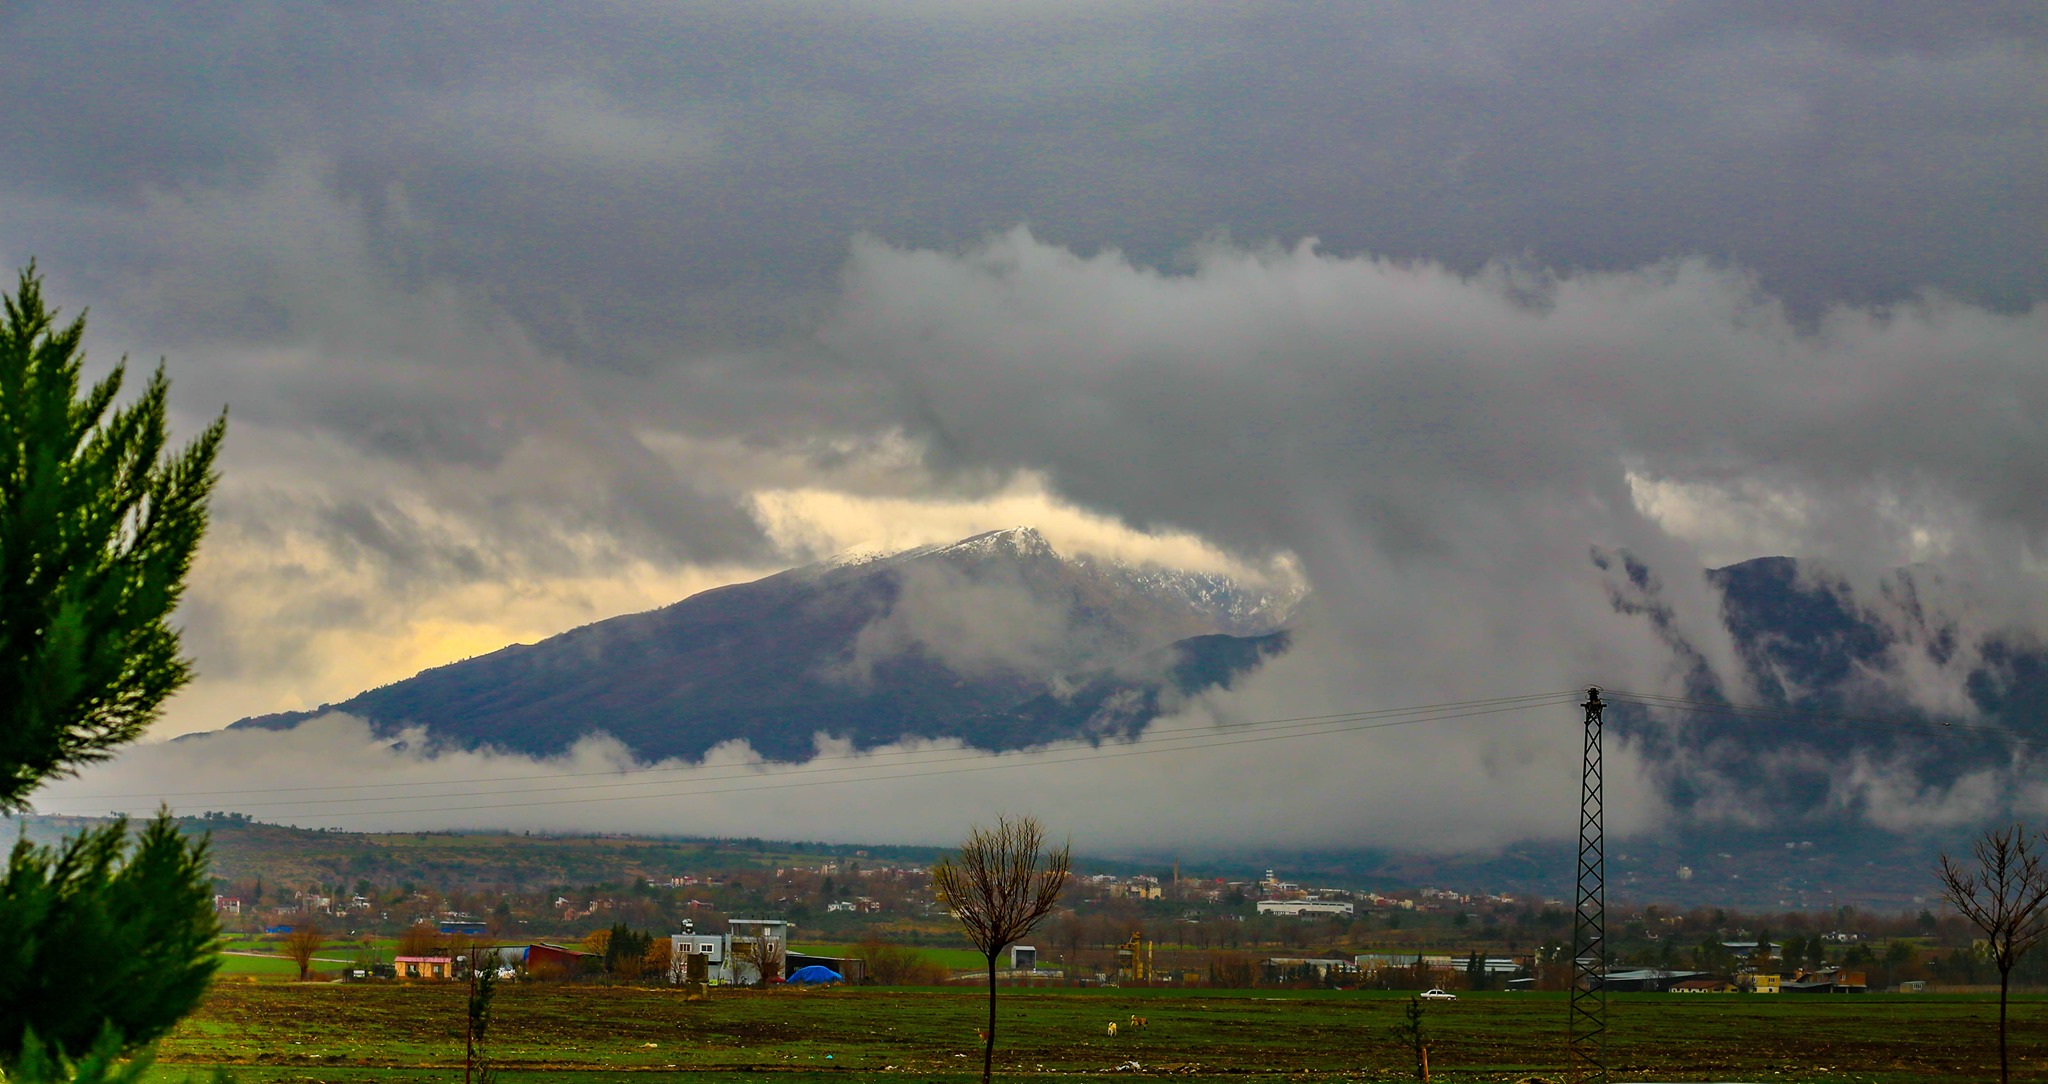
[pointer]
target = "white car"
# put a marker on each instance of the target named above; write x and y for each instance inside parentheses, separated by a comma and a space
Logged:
(1437, 995)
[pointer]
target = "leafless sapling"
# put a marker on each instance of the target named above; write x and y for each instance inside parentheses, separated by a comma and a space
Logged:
(1003, 881)
(2006, 896)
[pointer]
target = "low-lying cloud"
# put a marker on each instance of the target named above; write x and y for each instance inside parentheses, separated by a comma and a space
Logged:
(973, 627)
(1473, 783)
(1495, 483)
(1440, 450)
(526, 318)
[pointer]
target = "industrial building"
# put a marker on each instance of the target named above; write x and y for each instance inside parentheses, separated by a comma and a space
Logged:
(1304, 908)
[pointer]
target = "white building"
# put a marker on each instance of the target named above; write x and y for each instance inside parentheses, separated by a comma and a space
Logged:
(749, 952)
(1304, 908)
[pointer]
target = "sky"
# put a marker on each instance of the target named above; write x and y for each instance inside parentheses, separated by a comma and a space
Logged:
(530, 315)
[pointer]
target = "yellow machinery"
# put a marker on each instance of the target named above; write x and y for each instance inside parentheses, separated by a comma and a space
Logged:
(1134, 961)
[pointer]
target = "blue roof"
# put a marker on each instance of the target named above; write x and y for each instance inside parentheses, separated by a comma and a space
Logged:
(814, 974)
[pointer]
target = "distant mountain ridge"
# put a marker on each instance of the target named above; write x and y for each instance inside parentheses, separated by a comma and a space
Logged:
(1001, 642)
(997, 640)
(1809, 642)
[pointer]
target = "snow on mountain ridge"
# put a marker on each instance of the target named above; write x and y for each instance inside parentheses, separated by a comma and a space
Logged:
(1229, 604)
(1021, 541)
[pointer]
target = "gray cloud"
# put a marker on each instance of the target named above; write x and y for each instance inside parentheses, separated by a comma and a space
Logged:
(519, 309)
(1438, 411)
(1439, 450)
(624, 175)
(1164, 791)
(974, 628)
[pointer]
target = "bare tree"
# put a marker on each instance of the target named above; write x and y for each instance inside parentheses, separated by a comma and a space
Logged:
(1001, 884)
(422, 939)
(2006, 895)
(890, 964)
(301, 944)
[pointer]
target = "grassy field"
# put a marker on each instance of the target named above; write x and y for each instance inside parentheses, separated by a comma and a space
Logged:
(327, 1032)
(952, 959)
(263, 957)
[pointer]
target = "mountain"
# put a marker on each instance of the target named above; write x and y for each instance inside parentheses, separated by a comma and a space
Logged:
(1809, 642)
(997, 640)
(1830, 738)
(1001, 642)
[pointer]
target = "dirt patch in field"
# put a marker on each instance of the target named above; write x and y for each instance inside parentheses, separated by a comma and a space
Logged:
(754, 1031)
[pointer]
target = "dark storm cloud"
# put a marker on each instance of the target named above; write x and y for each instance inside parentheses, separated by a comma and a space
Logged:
(624, 176)
(529, 295)
(1439, 450)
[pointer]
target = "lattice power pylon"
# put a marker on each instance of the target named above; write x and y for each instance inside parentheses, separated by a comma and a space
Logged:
(1586, 1035)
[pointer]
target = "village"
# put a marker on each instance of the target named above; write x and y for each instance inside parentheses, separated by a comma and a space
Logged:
(874, 921)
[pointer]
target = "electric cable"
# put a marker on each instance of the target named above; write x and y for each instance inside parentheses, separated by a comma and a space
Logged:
(1291, 722)
(806, 776)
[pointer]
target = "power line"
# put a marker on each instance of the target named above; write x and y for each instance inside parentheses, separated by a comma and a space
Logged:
(1155, 742)
(743, 771)
(809, 777)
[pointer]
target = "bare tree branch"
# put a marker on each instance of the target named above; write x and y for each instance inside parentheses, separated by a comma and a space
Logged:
(2006, 896)
(999, 886)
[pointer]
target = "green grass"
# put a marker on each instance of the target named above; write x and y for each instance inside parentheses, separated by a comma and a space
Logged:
(331, 956)
(260, 966)
(956, 959)
(320, 1032)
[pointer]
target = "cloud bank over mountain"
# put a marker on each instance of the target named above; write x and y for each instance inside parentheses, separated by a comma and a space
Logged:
(1460, 790)
(527, 319)
(1477, 474)
(1442, 452)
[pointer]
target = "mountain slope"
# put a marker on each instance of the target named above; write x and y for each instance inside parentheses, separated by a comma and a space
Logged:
(945, 641)
(1003, 643)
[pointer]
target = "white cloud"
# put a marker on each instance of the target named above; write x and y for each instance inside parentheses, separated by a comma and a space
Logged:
(1440, 456)
(974, 627)
(1892, 795)
(1476, 783)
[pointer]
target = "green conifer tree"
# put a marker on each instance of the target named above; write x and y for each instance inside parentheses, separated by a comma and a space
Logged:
(103, 946)
(91, 943)
(98, 525)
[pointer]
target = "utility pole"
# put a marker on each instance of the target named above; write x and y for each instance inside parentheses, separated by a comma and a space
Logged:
(1586, 1034)
(469, 1026)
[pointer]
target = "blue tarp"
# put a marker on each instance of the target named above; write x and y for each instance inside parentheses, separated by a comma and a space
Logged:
(814, 975)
